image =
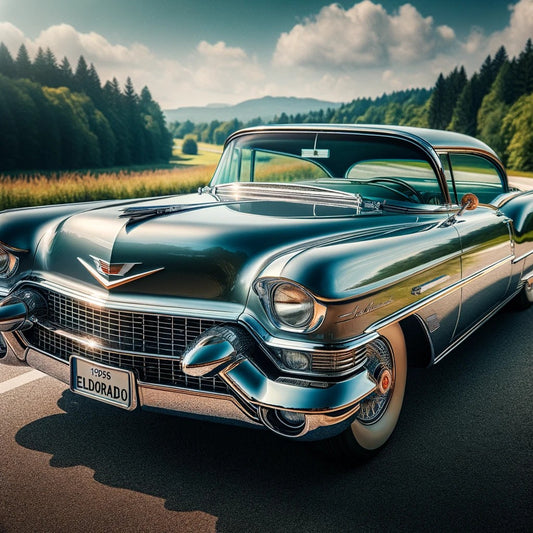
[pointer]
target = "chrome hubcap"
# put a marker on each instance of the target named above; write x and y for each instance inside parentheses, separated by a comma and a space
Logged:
(380, 365)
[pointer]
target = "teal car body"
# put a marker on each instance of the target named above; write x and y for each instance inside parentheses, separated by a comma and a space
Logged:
(291, 294)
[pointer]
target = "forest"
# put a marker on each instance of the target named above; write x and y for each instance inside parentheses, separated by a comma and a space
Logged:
(54, 117)
(495, 104)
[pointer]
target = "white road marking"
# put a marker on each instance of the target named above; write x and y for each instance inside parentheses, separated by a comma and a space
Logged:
(27, 377)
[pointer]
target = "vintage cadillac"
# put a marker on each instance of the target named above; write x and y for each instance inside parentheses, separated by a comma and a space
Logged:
(292, 293)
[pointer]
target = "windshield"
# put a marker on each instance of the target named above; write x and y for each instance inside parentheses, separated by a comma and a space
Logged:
(377, 168)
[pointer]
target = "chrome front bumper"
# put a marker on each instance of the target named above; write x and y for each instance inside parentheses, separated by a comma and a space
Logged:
(297, 408)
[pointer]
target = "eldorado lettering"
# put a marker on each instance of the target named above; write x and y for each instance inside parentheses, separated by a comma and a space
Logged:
(112, 392)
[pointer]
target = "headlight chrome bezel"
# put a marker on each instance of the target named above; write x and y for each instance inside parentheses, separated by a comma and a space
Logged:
(9, 262)
(270, 292)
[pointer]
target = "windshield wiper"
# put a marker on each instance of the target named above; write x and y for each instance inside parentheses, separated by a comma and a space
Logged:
(135, 214)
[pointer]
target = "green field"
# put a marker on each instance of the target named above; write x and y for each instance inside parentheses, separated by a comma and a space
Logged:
(184, 173)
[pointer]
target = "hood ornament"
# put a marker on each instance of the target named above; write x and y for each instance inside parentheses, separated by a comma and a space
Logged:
(107, 273)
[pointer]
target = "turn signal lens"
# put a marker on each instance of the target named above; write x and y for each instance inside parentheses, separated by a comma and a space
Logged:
(296, 360)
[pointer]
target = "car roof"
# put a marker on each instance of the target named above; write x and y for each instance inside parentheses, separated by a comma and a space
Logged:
(437, 139)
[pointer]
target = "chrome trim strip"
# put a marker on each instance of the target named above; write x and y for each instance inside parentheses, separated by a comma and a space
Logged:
(94, 296)
(302, 346)
(12, 249)
(522, 257)
(419, 289)
(263, 337)
(413, 308)
(476, 326)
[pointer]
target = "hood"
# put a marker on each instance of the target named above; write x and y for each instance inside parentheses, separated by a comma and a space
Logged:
(208, 251)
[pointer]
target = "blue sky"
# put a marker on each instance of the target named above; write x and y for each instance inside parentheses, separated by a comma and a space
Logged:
(193, 52)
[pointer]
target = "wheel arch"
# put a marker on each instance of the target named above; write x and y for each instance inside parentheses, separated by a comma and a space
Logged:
(418, 343)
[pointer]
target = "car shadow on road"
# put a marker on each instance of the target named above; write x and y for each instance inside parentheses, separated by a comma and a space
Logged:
(449, 456)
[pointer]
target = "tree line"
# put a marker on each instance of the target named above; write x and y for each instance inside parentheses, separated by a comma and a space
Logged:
(55, 117)
(495, 104)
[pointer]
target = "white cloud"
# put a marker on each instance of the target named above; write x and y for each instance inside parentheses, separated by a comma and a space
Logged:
(339, 54)
(226, 69)
(216, 70)
(12, 37)
(519, 30)
(363, 36)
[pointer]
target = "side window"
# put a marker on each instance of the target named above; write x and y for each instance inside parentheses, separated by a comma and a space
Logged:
(473, 173)
(413, 179)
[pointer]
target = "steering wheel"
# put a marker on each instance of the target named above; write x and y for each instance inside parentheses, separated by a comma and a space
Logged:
(412, 190)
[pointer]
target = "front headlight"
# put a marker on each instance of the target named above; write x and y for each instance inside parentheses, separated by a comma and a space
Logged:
(8, 263)
(292, 305)
(289, 305)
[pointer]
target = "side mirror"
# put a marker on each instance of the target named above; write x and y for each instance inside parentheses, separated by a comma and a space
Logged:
(469, 202)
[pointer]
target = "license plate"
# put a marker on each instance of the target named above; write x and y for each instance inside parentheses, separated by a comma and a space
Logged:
(102, 382)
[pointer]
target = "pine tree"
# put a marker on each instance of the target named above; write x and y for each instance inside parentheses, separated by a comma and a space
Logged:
(93, 88)
(523, 71)
(464, 118)
(7, 65)
(65, 75)
(81, 76)
(23, 64)
(437, 105)
(39, 69)
(53, 78)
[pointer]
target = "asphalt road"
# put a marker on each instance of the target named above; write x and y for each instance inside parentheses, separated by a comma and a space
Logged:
(460, 460)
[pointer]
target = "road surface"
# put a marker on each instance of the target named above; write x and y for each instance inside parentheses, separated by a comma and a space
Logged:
(460, 459)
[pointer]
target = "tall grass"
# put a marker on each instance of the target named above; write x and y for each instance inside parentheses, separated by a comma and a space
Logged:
(64, 187)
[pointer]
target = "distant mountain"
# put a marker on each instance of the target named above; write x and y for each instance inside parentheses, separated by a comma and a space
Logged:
(266, 108)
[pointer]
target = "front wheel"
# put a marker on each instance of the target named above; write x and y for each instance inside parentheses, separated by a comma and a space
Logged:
(378, 413)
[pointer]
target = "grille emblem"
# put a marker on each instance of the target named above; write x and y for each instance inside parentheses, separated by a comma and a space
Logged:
(112, 269)
(102, 271)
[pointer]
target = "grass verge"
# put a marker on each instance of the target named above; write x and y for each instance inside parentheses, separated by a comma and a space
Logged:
(64, 187)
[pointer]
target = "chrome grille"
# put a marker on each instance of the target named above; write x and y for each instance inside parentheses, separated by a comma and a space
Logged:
(125, 330)
(158, 341)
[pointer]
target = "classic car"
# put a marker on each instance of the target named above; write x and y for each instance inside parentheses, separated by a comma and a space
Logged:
(292, 293)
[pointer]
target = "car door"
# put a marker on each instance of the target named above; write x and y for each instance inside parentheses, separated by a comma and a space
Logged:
(486, 260)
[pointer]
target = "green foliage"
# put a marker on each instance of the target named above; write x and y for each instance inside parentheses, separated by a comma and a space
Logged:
(189, 146)
(517, 130)
(444, 96)
(52, 118)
